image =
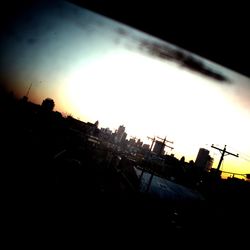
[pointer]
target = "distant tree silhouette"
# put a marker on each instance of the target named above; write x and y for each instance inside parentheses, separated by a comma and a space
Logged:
(48, 104)
(182, 160)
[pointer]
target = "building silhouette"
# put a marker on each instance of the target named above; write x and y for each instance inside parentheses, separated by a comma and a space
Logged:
(159, 147)
(204, 160)
(119, 134)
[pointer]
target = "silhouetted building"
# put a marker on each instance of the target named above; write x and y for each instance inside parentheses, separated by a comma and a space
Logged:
(132, 142)
(158, 148)
(210, 162)
(124, 136)
(139, 143)
(204, 160)
(92, 128)
(105, 134)
(119, 134)
(146, 146)
(106, 131)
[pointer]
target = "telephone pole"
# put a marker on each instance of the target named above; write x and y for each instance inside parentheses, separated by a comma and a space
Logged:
(223, 152)
(163, 145)
(148, 154)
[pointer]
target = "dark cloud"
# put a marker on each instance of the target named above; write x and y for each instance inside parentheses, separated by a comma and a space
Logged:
(121, 31)
(183, 58)
(179, 56)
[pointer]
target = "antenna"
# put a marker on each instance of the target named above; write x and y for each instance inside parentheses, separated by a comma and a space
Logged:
(28, 91)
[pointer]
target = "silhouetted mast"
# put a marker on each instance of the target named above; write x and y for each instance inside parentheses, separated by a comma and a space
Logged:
(28, 91)
(148, 154)
(223, 152)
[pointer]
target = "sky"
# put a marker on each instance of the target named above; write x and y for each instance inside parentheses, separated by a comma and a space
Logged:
(98, 69)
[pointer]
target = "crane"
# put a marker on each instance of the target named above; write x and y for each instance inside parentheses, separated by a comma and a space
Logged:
(163, 144)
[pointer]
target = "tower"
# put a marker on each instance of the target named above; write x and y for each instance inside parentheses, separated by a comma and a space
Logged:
(204, 160)
(120, 133)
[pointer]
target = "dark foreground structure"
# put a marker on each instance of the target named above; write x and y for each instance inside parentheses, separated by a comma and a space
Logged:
(59, 178)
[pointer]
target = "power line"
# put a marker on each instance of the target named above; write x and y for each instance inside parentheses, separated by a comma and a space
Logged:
(223, 152)
(242, 155)
(241, 152)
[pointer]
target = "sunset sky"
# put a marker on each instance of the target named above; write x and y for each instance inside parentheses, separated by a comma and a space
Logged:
(98, 69)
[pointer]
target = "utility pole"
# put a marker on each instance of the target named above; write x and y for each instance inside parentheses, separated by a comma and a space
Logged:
(223, 152)
(148, 154)
(163, 144)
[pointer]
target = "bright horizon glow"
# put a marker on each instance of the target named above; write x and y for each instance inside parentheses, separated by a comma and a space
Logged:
(94, 73)
(141, 100)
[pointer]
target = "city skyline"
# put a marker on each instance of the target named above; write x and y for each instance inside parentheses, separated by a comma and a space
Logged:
(98, 69)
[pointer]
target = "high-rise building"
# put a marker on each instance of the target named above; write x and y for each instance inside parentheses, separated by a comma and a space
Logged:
(124, 136)
(146, 146)
(204, 160)
(119, 134)
(105, 134)
(159, 148)
(209, 163)
(139, 143)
